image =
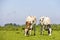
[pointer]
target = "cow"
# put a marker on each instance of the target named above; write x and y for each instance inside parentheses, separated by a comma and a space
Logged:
(30, 24)
(45, 23)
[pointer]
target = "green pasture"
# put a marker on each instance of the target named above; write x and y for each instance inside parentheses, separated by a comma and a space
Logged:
(18, 34)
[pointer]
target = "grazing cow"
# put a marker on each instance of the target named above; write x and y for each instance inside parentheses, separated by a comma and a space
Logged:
(30, 23)
(45, 23)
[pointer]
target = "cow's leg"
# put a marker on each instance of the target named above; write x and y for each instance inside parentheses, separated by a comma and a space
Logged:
(42, 29)
(26, 32)
(49, 29)
(46, 27)
(30, 31)
(34, 29)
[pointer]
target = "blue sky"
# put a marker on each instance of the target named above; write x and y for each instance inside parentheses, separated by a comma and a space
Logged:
(16, 11)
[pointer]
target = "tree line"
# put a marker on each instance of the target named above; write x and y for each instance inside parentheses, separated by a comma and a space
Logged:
(15, 27)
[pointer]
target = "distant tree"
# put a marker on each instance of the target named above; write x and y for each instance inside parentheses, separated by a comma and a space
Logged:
(8, 24)
(14, 24)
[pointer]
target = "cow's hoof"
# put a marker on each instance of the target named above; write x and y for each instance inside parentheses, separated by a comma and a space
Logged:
(34, 34)
(49, 34)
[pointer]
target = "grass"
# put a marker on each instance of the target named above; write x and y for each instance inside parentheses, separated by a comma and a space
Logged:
(19, 35)
(8, 34)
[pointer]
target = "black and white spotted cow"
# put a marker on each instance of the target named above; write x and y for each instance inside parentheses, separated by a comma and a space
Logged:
(45, 22)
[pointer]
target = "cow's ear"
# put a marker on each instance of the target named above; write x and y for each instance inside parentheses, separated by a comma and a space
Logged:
(26, 23)
(40, 20)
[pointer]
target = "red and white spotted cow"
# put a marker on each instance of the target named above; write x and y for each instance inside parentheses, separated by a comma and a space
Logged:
(30, 23)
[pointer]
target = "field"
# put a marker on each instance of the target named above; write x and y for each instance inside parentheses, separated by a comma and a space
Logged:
(19, 34)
